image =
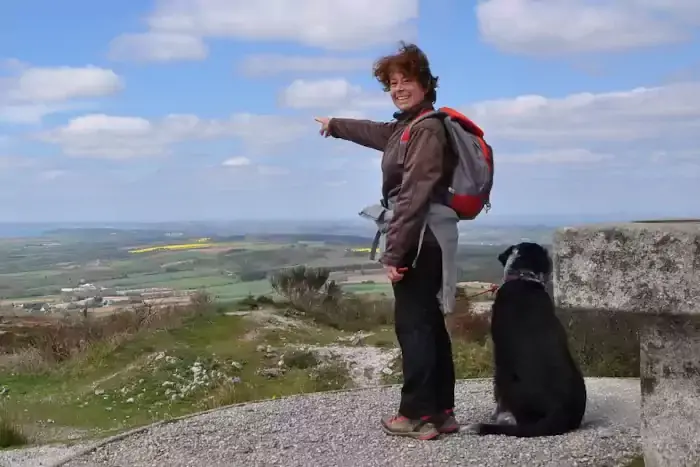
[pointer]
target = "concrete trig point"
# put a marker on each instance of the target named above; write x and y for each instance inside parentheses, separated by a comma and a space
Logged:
(651, 268)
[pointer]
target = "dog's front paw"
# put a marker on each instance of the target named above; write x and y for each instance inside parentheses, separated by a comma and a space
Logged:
(505, 418)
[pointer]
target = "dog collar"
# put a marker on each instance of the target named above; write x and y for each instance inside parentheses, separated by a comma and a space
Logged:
(523, 274)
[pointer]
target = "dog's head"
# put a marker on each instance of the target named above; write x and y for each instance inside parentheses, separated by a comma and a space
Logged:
(527, 256)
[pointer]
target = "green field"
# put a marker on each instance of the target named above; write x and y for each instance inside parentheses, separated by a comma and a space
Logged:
(368, 288)
(229, 268)
(240, 290)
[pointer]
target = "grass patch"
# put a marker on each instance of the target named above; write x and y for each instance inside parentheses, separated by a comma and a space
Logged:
(364, 288)
(383, 337)
(239, 290)
(330, 376)
(200, 361)
(472, 359)
(636, 462)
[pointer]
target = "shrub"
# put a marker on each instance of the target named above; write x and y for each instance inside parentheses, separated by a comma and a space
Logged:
(465, 324)
(605, 344)
(472, 359)
(636, 462)
(299, 284)
(24, 360)
(201, 301)
(62, 339)
(228, 392)
(352, 313)
(310, 293)
(11, 433)
(251, 302)
(330, 376)
(301, 359)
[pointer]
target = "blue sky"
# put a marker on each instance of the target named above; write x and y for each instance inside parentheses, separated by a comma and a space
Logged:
(203, 109)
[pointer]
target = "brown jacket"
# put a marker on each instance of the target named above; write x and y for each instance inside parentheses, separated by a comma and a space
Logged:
(422, 177)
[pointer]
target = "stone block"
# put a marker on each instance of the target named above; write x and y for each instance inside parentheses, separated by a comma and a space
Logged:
(650, 268)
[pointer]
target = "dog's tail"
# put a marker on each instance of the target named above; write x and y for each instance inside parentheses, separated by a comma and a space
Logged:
(551, 425)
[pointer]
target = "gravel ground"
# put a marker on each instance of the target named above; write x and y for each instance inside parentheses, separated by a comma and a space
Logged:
(38, 456)
(341, 429)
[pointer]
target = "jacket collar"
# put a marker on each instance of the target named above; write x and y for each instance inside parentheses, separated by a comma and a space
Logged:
(410, 114)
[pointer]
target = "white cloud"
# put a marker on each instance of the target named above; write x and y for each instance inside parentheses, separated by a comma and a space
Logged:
(33, 92)
(331, 93)
(669, 112)
(560, 27)
(626, 130)
(15, 162)
(272, 170)
(63, 83)
(267, 65)
(556, 156)
(236, 162)
(327, 24)
(50, 175)
(119, 137)
(157, 47)
(335, 183)
(579, 129)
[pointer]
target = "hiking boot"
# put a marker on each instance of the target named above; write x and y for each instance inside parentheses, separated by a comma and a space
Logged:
(447, 423)
(398, 425)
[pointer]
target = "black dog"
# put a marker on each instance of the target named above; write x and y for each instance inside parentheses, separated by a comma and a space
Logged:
(536, 379)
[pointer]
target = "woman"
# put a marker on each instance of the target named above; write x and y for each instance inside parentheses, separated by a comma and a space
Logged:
(414, 180)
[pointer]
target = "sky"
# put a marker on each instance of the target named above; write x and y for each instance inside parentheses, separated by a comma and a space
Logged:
(163, 110)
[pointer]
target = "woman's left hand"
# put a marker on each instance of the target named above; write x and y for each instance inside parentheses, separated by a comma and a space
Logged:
(395, 274)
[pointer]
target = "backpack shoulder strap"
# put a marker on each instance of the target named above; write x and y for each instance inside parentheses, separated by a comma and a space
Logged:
(406, 135)
(465, 121)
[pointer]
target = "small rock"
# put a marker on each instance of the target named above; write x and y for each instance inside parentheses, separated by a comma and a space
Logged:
(271, 372)
(358, 340)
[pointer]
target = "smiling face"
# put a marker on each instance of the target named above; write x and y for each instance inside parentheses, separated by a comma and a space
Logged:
(405, 92)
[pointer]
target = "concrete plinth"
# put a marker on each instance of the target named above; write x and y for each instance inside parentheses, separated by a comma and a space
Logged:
(653, 269)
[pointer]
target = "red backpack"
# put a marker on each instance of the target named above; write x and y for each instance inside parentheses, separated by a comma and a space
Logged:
(470, 190)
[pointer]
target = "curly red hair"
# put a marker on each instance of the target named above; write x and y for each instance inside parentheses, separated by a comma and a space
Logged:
(411, 62)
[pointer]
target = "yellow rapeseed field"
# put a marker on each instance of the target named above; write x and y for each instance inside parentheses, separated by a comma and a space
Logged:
(201, 243)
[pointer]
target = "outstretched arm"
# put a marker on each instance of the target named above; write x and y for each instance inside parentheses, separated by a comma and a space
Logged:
(374, 135)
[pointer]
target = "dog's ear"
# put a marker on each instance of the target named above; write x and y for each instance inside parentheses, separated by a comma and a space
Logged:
(550, 264)
(544, 261)
(503, 257)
